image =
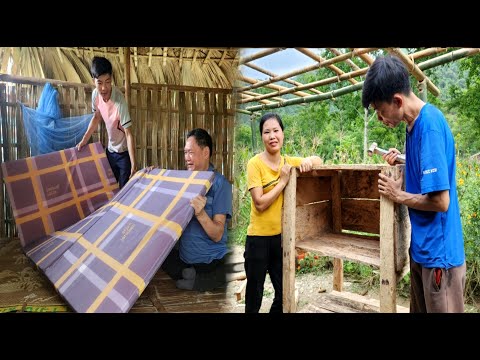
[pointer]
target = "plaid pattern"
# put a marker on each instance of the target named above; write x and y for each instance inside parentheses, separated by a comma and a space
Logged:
(104, 262)
(52, 191)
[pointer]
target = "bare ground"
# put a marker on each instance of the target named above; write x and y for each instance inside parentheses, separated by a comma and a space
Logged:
(310, 286)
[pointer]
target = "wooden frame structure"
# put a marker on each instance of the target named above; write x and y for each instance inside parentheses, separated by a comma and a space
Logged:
(336, 210)
(348, 67)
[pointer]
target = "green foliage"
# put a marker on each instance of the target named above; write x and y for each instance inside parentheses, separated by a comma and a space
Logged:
(468, 182)
(311, 263)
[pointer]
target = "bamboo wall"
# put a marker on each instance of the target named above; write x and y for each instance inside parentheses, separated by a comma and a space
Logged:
(162, 115)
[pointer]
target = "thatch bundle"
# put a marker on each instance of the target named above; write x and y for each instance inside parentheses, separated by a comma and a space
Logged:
(212, 68)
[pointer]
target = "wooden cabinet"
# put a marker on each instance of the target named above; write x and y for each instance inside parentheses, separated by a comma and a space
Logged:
(337, 211)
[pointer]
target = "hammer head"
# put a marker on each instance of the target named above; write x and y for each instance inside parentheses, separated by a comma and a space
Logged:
(372, 148)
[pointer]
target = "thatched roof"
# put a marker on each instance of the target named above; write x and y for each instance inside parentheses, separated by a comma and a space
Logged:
(201, 67)
(347, 67)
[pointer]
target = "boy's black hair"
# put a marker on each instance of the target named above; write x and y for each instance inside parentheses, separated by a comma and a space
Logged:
(100, 66)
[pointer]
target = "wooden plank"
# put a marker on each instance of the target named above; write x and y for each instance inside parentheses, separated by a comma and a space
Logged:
(288, 244)
(313, 189)
(360, 184)
(240, 291)
(388, 278)
(148, 125)
(361, 215)
(5, 132)
(344, 246)
(337, 274)
(360, 302)
(230, 141)
(337, 226)
(313, 220)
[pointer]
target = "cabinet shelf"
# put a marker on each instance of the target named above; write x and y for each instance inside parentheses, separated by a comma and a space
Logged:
(344, 246)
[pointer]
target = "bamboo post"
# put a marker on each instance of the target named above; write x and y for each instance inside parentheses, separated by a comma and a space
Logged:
(254, 129)
(388, 278)
(288, 243)
(127, 76)
(422, 90)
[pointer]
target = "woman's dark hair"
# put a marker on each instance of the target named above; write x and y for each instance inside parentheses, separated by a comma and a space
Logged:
(269, 116)
(100, 66)
(202, 137)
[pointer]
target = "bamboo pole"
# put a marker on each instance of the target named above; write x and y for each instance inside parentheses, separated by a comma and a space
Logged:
(348, 61)
(271, 86)
(259, 55)
(415, 70)
(440, 60)
(449, 57)
(266, 72)
(318, 58)
(334, 60)
(330, 95)
(127, 77)
(427, 52)
(331, 80)
(37, 81)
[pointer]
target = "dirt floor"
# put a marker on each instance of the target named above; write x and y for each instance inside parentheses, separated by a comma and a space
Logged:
(311, 286)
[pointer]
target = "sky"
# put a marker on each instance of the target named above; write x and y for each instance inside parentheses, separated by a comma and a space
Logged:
(278, 63)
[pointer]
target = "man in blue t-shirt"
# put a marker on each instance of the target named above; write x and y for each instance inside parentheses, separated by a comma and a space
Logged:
(198, 262)
(437, 254)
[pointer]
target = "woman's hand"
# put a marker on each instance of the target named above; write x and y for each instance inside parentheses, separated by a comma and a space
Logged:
(306, 165)
(285, 174)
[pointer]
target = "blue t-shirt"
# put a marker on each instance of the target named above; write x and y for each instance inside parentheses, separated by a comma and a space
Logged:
(437, 238)
(195, 245)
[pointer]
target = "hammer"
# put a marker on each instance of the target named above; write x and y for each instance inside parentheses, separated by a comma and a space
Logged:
(375, 149)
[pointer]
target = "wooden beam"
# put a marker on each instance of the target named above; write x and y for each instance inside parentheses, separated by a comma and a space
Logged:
(288, 243)
(181, 59)
(259, 55)
(319, 59)
(195, 52)
(414, 70)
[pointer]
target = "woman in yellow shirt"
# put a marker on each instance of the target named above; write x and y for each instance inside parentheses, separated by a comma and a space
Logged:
(268, 174)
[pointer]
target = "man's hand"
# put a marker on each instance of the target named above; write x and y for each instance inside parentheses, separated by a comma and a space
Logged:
(198, 203)
(133, 171)
(391, 156)
(389, 187)
(81, 144)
